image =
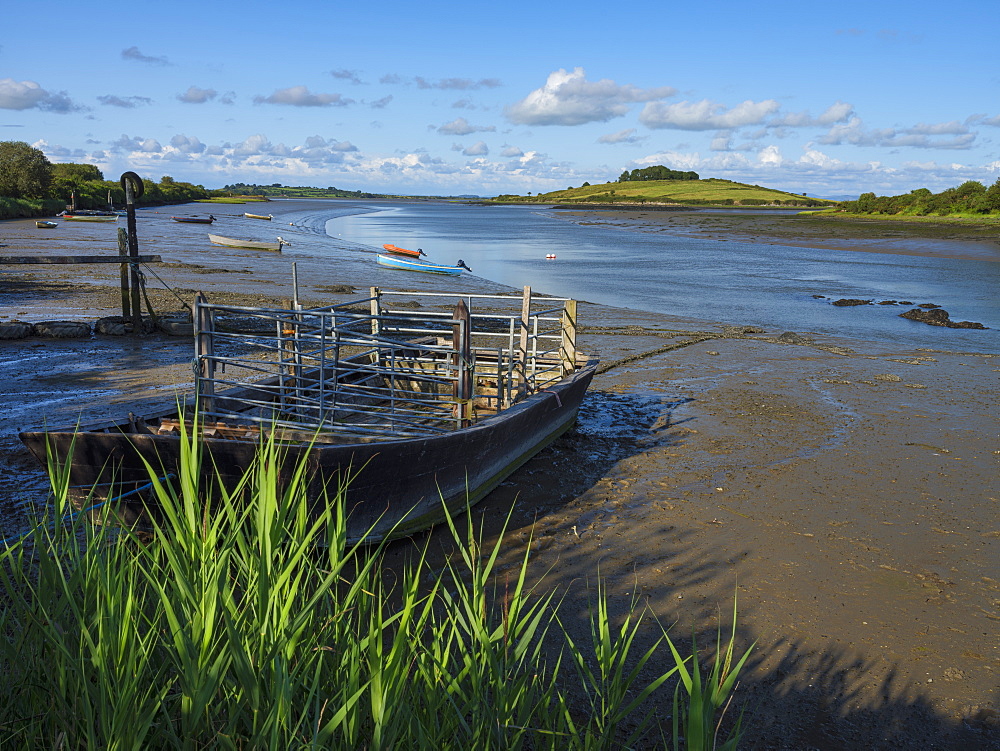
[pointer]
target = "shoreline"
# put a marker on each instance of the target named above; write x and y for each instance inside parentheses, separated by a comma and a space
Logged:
(848, 488)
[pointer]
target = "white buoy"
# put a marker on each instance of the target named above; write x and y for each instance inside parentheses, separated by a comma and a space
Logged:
(551, 256)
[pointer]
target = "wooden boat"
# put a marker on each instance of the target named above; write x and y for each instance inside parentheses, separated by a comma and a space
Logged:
(231, 242)
(416, 264)
(90, 217)
(46, 225)
(194, 219)
(403, 251)
(258, 216)
(433, 413)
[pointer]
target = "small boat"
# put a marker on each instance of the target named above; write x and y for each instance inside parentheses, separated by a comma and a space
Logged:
(436, 410)
(404, 252)
(258, 216)
(231, 242)
(90, 217)
(194, 219)
(416, 264)
(46, 225)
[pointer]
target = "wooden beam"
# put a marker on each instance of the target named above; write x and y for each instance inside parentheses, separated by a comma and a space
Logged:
(17, 260)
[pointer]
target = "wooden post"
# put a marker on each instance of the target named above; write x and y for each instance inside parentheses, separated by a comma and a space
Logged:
(204, 354)
(462, 359)
(133, 188)
(123, 252)
(567, 349)
(522, 347)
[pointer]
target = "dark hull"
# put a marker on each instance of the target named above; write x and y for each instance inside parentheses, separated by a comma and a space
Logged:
(192, 219)
(396, 487)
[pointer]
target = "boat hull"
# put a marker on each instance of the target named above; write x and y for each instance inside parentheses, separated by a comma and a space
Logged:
(412, 264)
(192, 219)
(393, 488)
(46, 225)
(258, 216)
(84, 218)
(230, 242)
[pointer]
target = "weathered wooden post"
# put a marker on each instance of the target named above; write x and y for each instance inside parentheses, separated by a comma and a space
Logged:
(567, 348)
(133, 186)
(522, 347)
(123, 253)
(462, 360)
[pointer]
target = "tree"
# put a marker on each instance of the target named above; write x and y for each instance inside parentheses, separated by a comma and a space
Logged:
(25, 172)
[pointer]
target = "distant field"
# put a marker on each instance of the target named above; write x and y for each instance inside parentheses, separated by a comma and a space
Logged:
(699, 192)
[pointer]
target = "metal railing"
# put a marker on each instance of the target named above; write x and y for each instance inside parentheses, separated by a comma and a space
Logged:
(392, 365)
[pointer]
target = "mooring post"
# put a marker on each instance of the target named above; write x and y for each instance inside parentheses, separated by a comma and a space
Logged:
(204, 353)
(123, 253)
(522, 347)
(568, 347)
(134, 188)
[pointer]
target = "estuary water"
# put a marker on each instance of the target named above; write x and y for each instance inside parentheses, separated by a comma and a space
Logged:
(728, 281)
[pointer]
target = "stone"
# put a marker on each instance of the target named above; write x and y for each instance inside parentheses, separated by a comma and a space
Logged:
(15, 330)
(847, 301)
(62, 329)
(790, 337)
(938, 317)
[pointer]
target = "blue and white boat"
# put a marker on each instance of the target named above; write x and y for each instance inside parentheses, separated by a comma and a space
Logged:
(416, 264)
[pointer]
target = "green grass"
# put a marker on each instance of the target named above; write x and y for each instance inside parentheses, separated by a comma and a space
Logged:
(694, 192)
(257, 626)
(233, 199)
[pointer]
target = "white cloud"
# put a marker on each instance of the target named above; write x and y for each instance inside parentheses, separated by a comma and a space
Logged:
(477, 149)
(300, 96)
(347, 75)
(623, 136)
(196, 95)
(835, 113)
(136, 143)
(461, 127)
(461, 84)
(132, 53)
(26, 95)
(187, 145)
(509, 151)
(125, 102)
(919, 136)
(570, 99)
(706, 115)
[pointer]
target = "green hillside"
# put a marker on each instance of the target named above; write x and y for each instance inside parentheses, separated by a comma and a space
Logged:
(710, 192)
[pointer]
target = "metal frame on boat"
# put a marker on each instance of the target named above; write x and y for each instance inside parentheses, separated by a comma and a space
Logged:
(406, 410)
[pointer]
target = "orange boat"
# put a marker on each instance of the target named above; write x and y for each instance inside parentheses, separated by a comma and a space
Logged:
(404, 252)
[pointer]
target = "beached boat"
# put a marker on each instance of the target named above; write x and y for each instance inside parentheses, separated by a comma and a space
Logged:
(46, 225)
(258, 216)
(194, 219)
(231, 242)
(90, 217)
(430, 411)
(417, 264)
(403, 251)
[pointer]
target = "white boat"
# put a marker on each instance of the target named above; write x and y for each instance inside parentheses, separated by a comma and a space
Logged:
(231, 242)
(89, 218)
(258, 216)
(416, 264)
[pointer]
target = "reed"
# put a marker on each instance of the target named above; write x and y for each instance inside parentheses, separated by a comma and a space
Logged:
(258, 626)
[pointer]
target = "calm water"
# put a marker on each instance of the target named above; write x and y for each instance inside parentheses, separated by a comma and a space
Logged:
(731, 282)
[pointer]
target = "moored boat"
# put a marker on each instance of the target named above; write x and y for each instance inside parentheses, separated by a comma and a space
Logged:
(231, 242)
(433, 412)
(46, 225)
(417, 264)
(258, 216)
(194, 219)
(90, 217)
(403, 251)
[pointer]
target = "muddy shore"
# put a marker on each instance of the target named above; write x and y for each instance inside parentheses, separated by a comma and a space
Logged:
(849, 490)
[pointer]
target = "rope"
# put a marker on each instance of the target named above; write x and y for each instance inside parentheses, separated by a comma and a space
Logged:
(168, 287)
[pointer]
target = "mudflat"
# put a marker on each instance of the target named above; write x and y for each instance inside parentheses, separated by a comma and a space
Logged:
(845, 491)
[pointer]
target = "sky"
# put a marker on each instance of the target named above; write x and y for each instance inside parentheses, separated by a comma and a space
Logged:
(435, 98)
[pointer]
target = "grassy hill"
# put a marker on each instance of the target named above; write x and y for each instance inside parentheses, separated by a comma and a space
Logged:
(710, 192)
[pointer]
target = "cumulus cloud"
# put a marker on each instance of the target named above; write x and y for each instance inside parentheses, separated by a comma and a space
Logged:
(509, 151)
(196, 95)
(706, 115)
(26, 95)
(379, 104)
(347, 75)
(568, 98)
(985, 120)
(477, 149)
(458, 83)
(623, 136)
(187, 145)
(461, 127)
(391, 78)
(920, 136)
(838, 112)
(136, 143)
(300, 96)
(133, 53)
(125, 102)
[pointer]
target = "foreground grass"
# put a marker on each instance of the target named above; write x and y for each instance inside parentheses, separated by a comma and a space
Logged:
(257, 626)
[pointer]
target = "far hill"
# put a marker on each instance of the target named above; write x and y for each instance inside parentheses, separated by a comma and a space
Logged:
(709, 192)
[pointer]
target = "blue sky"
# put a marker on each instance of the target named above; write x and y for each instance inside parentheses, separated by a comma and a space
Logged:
(448, 98)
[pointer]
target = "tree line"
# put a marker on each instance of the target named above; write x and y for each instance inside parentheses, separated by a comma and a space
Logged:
(970, 197)
(31, 185)
(659, 172)
(277, 189)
